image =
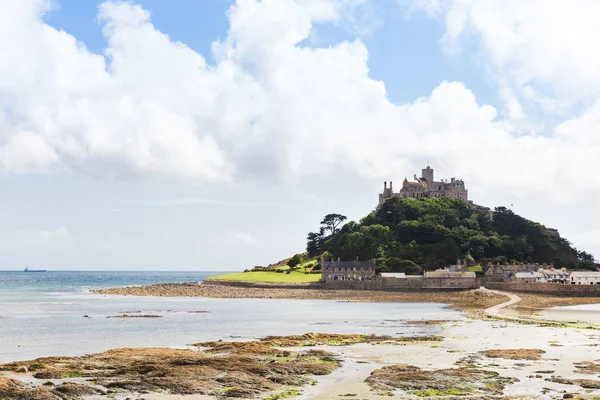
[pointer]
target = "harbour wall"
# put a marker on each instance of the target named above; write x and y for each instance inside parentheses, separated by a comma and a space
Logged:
(417, 283)
(546, 288)
(409, 283)
(265, 285)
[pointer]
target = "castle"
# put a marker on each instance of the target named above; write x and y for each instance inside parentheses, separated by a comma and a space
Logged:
(425, 186)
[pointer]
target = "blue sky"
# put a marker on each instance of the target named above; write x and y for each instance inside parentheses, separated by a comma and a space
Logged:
(150, 149)
(401, 46)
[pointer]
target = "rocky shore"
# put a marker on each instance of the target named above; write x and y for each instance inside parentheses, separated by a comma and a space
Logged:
(459, 364)
(218, 369)
(460, 300)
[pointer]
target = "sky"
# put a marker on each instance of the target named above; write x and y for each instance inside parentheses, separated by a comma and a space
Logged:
(215, 134)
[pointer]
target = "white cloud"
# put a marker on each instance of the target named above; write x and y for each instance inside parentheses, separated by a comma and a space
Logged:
(430, 7)
(230, 239)
(246, 238)
(269, 107)
(541, 49)
(190, 201)
(46, 236)
(58, 233)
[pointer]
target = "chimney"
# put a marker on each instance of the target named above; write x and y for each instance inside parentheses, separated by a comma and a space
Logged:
(390, 185)
(384, 185)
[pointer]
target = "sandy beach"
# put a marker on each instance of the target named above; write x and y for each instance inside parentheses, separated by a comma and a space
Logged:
(470, 359)
(459, 300)
(500, 354)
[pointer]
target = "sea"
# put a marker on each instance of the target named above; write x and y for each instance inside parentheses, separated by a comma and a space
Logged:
(54, 314)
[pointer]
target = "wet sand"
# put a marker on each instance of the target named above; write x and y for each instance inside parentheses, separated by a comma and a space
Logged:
(461, 300)
(486, 358)
(524, 361)
(527, 308)
(571, 315)
(541, 301)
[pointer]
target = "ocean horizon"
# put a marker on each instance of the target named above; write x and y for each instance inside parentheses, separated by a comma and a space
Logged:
(54, 314)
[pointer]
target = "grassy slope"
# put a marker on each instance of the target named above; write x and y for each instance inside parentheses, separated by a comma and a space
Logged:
(268, 277)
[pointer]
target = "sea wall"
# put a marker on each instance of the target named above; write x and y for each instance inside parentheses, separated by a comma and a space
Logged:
(313, 285)
(548, 288)
(409, 283)
(416, 283)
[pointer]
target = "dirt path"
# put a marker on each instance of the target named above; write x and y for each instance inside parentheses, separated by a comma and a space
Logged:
(495, 311)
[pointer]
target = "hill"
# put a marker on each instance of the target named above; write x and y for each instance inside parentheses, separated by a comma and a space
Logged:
(405, 234)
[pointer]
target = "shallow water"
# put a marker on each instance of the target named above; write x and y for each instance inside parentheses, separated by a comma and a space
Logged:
(38, 318)
(589, 313)
(18, 286)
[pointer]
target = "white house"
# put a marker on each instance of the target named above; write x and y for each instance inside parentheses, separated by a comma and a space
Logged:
(585, 278)
(529, 277)
(446, 273)
(397, 275)
(556, 275)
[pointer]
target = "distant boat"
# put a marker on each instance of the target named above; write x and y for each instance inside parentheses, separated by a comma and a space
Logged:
(34, 270)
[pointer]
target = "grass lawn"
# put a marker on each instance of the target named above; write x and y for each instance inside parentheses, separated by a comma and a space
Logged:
(476, 268)
(265, 276)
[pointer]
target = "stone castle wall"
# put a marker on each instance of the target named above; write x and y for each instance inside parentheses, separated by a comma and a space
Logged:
(425, 187)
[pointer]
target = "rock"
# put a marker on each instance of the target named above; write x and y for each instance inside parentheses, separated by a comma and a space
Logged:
(135, 316)
(568, 396)
(515, 354)
(74, 390)
(224, 369)
(440, 382)
(22, 369)
(48, 374)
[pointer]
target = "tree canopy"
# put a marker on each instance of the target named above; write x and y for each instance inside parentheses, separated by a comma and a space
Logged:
(332, 221)
(435, 232)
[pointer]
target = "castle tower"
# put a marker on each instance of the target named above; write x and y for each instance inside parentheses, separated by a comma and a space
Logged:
(427, 174)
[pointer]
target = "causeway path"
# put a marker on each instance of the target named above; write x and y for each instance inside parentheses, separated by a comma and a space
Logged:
(495, 311)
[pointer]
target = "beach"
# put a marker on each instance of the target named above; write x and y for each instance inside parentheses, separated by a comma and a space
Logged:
(269, 343)
(459, 300)
(468, 359)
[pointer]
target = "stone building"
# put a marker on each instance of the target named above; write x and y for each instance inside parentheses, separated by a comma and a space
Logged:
(553, 275)
(395, 275)
(585, 278)
(447, 273)
(529, 277)
(508, 273)
(426, 186)
(347, 271)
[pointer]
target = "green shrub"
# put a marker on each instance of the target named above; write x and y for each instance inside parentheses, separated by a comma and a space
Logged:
(295, 261)
(394, 264)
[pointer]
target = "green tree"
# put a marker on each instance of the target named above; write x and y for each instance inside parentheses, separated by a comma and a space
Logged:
(435, 232)
(314, 243)
(395, 264)
(295, 261)
(332, 221)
